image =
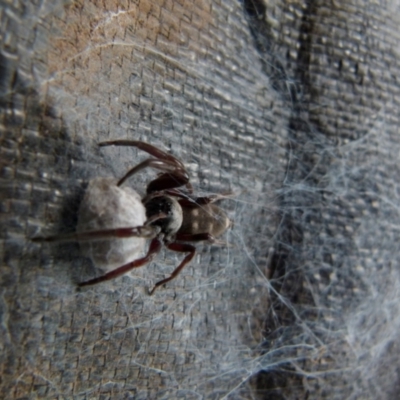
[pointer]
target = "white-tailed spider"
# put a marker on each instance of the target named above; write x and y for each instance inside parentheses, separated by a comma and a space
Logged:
(173, 216)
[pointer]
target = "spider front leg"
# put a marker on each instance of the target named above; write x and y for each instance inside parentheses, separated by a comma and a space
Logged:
(175, 174)
(172, 179)
(154, 249)
(144, 231)
(148, 148)
(181, 248)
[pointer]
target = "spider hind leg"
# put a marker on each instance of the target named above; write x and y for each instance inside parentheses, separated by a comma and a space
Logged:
(154, 249)
(181, 248)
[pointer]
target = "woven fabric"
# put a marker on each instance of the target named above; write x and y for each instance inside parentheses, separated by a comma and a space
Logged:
(292, 107)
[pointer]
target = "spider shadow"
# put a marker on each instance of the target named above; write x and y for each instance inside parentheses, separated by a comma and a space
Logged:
(69, 254)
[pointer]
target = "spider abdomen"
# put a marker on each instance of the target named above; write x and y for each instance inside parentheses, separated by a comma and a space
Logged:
(207, 218)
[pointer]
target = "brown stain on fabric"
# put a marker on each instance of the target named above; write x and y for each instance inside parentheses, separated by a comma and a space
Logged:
(90, 33)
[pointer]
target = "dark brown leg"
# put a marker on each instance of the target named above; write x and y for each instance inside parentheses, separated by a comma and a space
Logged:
(150, 162)
(137, 231)
(148, 148)
(181, 248)
(169, 181)
(154, 218)
(154, 249)
(175, 176)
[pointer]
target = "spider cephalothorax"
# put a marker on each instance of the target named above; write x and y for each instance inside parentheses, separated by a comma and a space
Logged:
(173, 216)
(170, 211)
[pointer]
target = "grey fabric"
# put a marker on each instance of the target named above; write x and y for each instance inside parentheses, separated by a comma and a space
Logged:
(293, 107)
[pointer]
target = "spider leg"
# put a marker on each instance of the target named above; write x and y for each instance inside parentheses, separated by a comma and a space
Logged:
(154, 218)
(137, 231)
(181, 248)
(170, 181)
(162, 165)
(148, 148)
(154, 249)
(175, 176)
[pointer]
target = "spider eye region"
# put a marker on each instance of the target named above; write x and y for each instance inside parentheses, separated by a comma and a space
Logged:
(171, 208)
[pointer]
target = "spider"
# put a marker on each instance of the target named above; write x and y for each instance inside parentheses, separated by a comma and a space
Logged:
(173, 217)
